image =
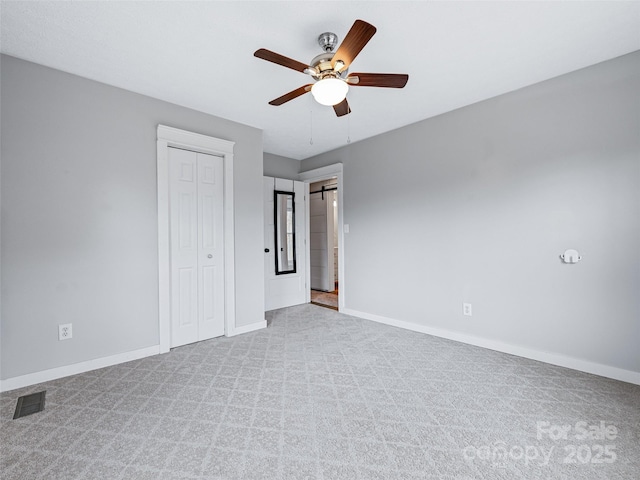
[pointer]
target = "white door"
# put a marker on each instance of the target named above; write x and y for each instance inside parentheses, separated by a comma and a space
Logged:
(286, 289)
(197, 253)
(322, 241)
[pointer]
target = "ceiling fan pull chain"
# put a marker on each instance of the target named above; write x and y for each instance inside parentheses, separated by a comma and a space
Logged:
(348, 129)
(310, 127)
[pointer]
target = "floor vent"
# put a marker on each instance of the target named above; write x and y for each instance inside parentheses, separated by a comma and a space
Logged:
(28, 404)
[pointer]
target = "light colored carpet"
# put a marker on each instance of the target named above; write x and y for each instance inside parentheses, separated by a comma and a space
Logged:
(320, 395)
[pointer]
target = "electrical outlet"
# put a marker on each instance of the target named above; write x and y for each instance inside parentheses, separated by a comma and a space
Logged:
(65, 332)
(466, 309)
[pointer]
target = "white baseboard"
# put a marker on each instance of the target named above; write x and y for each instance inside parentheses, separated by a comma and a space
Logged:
(252, 327)
(65, 371)
(542, 356)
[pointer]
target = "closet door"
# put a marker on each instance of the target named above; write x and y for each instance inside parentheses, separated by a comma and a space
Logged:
(197, 255)
(210, 247)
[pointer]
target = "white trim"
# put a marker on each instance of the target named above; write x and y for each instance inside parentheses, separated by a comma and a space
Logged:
(316, 175)
(307, 243)
(542, 356)
(74, 369)
(174, 137)
(252, 327)
(322, 173)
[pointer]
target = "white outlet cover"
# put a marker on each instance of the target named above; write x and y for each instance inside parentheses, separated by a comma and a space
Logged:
(65, 331)
(467, 310)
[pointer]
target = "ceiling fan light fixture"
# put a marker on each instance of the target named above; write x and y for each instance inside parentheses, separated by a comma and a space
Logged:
(329, 91)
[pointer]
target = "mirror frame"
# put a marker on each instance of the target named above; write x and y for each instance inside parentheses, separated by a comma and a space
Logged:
(275, 230)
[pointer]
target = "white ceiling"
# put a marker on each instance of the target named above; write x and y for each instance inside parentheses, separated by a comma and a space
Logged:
(200, 55)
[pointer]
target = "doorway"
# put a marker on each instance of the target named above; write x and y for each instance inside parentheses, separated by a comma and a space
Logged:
(323, 242)
(330, 174)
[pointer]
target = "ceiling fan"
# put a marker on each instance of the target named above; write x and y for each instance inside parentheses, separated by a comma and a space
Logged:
(329, 69)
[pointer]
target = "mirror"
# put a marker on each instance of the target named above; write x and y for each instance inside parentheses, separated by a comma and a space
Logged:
(285, 226)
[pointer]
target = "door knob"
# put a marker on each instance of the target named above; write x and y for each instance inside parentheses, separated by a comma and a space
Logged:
(266, 250)
(209, 256)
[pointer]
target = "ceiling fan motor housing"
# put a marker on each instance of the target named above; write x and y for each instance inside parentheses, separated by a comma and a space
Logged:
(322, 64)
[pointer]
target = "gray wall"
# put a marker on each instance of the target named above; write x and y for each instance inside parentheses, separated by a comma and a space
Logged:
(281, 167)
(477, 204)
(79, 216)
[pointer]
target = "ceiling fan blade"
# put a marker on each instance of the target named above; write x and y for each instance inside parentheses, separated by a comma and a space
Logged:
(359, 35)
(389, 80)
(274, 57)
(342, 108)
(291, 95)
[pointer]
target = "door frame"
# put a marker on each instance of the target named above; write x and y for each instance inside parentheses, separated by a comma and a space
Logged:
(316, 175)
(195, 142)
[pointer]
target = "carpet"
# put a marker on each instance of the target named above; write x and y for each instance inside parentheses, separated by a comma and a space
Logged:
(321, 395)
